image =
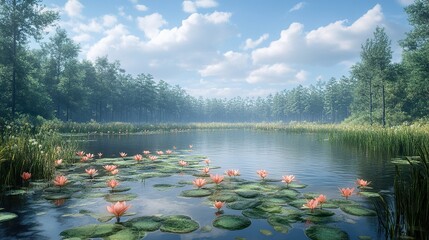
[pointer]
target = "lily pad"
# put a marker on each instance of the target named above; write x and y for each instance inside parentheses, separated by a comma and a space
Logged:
(279, 220)
(57, 196)
(322, 232)
(120, 197)
(179, 224)
(196, 193)
(404, 162)
(255, 213)
(145, 223)
(245, 204)
(224, 197)
(266, 232)
(231, 222)
(320, 213)
(297, 185)
(298, 203)
(127, 234)
(369, 194)
(289, 193)
(15, 192)
(358, 210)
(120, 189)
(270, 208)
(92, 231)
(164, 186)
(247, 193)
(6, 216)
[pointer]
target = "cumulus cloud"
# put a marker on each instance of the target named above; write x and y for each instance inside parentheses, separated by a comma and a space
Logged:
(83, 37)
(141, 7)
(232, 65)
(250, 44)
(191, 6)
(109, 20)
(325, 45)
(270, 73)
(297, 7)
(73, 8)
(151, 24)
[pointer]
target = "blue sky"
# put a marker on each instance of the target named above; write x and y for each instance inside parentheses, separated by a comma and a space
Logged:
(227, 48)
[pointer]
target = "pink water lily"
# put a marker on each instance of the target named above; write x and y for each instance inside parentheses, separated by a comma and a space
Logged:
(206, 170)
(207, 161)
(122, 154)
(90, 155)
(346, 192)
(60, 181)
(138, 157)
(100, 154)
(80, 153)
(190, 146)
(114, 172)
(183, 163)
(153, 158)
(84, 159)
(216, 178)
(110, 168)
(146, 152)
(232, 172)
(199, 182)
(58, 162)
(168, 152)
(26, 176)
(91, 172)
(262, 173)
(218, 204)
(112, 183)
(311, 204)
(288, 179)
(321, 199)
(362, 183)
(118, 209)
(160, 152)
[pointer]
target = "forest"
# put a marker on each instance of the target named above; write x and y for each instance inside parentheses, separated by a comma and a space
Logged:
(51, 81)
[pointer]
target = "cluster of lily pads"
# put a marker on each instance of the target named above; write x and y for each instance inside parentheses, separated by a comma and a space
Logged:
(279, 201)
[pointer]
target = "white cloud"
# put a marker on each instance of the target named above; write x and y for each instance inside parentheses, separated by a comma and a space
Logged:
(233, 65)
(109, 20)
(83, 37)
(191, 6)
(325, 45)
(270, 73)
(297, 6)
(92, 26)
(123, 14)
(73, 8)
(141, 7)
(250, 44)
(151, 24)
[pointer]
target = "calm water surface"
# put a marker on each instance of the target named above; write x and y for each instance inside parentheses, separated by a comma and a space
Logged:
(322, 165)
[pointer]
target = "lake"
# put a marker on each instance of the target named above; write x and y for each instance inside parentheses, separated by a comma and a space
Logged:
(316, 162)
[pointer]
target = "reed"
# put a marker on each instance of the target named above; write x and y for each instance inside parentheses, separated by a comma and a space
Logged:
(23, 148)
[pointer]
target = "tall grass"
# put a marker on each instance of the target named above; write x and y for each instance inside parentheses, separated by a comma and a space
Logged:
(23, 148)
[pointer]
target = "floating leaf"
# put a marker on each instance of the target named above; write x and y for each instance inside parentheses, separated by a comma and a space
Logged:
(145, 223)
(369, 194)
(127, 234)
(231, 222)
(266, 232)
(179, 224)
(196, 193)
(120, 197)
(245, 204)
(358, 210)
(92, 231)
(255, 213)
(6, 216)
(321, 232)
(247, 193)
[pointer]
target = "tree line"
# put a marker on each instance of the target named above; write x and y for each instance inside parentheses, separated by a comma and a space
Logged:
(52, 82)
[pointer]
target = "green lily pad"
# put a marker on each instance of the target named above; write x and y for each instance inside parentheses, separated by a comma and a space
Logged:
(358, 210)
(275, 201)
(57, 196)
(404, 162)
(270, 208)
(179, 224)
(153, 175)
(127, 234)
(244, 204)
(224, 197)
(369, 194)
(145, 223)
(6, 216)
(255, 213)
(298, 203)
(15, 192)
(322, 232)
(266, 232)
(247, 193)
(231, 222)
(279, 220)
(92, 231)
(119, 197)
(320, 213)
(164, 186)
(196, 193)
(120, 189)
(297, 185)
(289, 193)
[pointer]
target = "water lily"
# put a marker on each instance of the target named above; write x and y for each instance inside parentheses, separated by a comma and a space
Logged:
(182, 163)
(207, 161)
(84, 159)
(145, 152)
(112, 183)
(362, 183)
(153, 158)
(118, 209)
(160, 152)
(100, 154)
(114, 172)
(206, 170)
(26, 176)
(60, 181)
(190, 146)
(110, 168)
(216, 178)
(80, 153)
(122, 154)
(138, 157)
(199, 182)
(321, 199)
(58, 162)
(311, 204)
(346, 192)
(218, 204)
(288, 179)
(91, 172)
(89, 155)
(169, 152)
(262, 173)
(232, 172)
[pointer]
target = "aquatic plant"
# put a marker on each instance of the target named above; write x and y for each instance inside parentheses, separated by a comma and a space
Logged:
(262, 173)
(138, 157)
(311, 204)
(346, 192)
(112, 183)
(58, 162)
(199, 182)
(288, 179)
(91, 172)
(218, 205)
(60, 181)
(122, 154)
(118, 209)
(26, 176)
(110, 168)
(362, 183)
(216, 178)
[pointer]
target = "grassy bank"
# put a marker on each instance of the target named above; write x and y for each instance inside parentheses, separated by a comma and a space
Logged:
(24, 148)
